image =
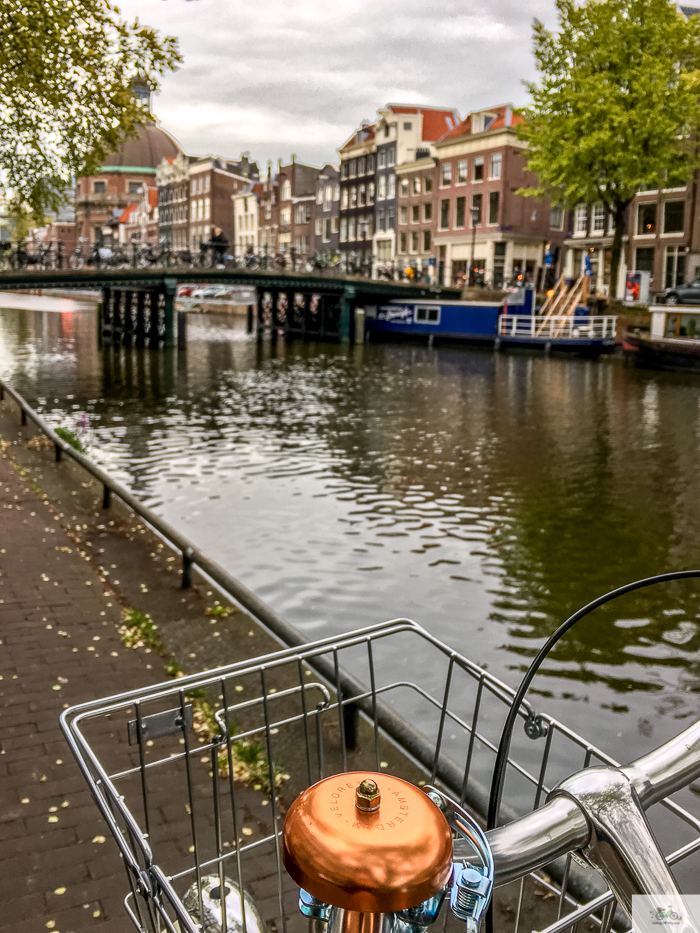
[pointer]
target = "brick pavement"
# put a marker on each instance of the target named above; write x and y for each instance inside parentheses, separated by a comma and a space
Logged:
(59, 646)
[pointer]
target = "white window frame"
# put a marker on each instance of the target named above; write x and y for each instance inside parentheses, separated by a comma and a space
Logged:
(581, 220)
(446, 175)
(462, 172)
(422, 312)
(496, 160)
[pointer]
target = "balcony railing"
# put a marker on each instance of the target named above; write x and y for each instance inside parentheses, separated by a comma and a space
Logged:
(531, 326)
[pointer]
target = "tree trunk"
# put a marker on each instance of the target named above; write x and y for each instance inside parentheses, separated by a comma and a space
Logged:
(617, 251)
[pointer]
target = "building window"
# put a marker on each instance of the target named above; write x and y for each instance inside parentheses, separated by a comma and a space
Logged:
(381, 220)
(100, 187)
(598, 220)
(416, 185)
(351, 228)
(426, 241)
(382, 158)
(462, 172)
(556, 217)
(336, 193)
(319, 196)
(496, 165)
(494, 201)
(581, 220)
(427, 211)
(303, 214)
(370, 193)
(344, 200)
(353, 168)
(361, 196)
(427, 184)
(207, 204)
(403, 215)
(476, 210)
(345, 169)
(402, 242)
(370, 165)
(408, 126)
(361, 166)
(334, 224)
(414, 241)
(206, 182)
(415, 214)
(135, 187)
(381, 193)
(391, 156)
(479, 168)
(646, 219)
(444, 214)
(446, 174)
(459, 211)
(390, 218)
(383, 250)
(353, 197)
(286, 189)
(318, 227)
(644, 259)
(391, 193)
(343, 230)
(675, 265)
(286, 217)
(673, 217)
(403, 188)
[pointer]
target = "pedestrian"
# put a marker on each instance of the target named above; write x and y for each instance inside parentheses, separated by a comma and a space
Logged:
(219, 244)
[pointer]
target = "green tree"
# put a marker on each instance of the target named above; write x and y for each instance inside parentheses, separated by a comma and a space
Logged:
(66, 74)
(617, 106)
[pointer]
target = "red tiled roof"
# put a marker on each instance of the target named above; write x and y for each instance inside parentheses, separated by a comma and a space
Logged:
(152, 197)
(125, 215)
(353, 141)
(258, 188)
(436, 120)
(465, 127)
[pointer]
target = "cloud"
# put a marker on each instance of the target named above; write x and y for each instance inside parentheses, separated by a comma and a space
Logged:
(281, 76)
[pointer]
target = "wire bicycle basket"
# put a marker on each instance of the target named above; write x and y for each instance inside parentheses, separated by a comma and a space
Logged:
(194, 776)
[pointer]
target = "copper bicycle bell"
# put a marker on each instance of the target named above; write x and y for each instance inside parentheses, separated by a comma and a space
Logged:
(368, 844)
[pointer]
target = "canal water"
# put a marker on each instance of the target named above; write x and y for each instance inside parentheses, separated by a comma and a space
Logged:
(485, 495)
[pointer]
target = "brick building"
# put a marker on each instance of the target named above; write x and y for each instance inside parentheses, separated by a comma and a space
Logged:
(120, 181)
(212, 182)
(417, 217)
(325, 210)
(245, 219)
(269, 215)
(486, 233)
(297, 195)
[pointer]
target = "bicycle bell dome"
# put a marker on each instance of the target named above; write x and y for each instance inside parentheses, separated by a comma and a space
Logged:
(367, 842)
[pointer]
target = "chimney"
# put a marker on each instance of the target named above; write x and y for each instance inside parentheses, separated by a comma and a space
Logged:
(509, 116)
(294, 158)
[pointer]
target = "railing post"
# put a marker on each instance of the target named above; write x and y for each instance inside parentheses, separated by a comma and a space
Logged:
(106, 496)
(2, 392)
(58, 452)
(187, 568)
(24, 415)
(351, 720)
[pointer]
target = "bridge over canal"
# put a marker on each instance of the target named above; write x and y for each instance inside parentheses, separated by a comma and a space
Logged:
(138, 306)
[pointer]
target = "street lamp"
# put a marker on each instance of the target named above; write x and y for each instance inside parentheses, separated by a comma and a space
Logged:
(475, 213)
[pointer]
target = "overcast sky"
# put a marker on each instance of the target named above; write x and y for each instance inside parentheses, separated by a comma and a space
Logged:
(276, 77)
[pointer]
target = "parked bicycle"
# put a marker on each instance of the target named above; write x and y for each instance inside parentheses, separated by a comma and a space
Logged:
(99, 257)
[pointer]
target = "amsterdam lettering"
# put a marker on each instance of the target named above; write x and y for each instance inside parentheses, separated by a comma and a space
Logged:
(399, 805)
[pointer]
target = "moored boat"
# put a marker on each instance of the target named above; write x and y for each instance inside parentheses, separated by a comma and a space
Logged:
(673, 341)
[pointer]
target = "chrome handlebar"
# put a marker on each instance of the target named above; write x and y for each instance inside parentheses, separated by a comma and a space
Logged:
(562, 824)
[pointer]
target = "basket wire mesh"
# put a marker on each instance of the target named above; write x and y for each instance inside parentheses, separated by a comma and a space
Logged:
(194, 776)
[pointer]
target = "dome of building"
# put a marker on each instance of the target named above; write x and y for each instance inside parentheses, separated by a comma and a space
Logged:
(145, 150)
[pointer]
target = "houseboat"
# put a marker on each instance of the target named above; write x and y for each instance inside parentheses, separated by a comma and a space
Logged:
(510, 323)
(673, 341)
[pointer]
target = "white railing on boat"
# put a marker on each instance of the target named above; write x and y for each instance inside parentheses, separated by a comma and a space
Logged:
(569, 327)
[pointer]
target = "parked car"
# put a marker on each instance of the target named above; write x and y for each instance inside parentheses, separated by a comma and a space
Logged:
(211, 291)
(687, 294)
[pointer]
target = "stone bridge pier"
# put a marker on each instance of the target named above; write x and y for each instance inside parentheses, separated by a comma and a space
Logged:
(297, 312)
(141, 316)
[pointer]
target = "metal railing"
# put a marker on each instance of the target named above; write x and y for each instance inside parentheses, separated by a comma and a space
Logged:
(355, 697)
(565, 327)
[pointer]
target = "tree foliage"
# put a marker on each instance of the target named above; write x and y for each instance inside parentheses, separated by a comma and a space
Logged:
(66, 100)
(617, 106)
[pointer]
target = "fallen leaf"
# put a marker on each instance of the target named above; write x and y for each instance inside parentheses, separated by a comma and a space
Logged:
(247, 831)
(25, 799)
(99, 839)
(53, 819)
(60, 891)
(56, 687)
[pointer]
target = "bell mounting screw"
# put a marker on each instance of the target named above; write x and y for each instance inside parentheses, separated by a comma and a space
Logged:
(367, 796)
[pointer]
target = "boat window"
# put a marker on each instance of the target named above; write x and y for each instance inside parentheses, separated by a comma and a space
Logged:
(670, 325)
(690, 325)
(427, 315)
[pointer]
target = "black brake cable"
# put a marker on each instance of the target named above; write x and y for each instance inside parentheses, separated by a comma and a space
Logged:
(499, 770)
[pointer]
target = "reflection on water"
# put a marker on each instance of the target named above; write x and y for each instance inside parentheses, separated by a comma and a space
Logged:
(484, 495)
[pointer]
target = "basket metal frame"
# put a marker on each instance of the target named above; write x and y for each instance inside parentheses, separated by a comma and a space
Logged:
(153, 903)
